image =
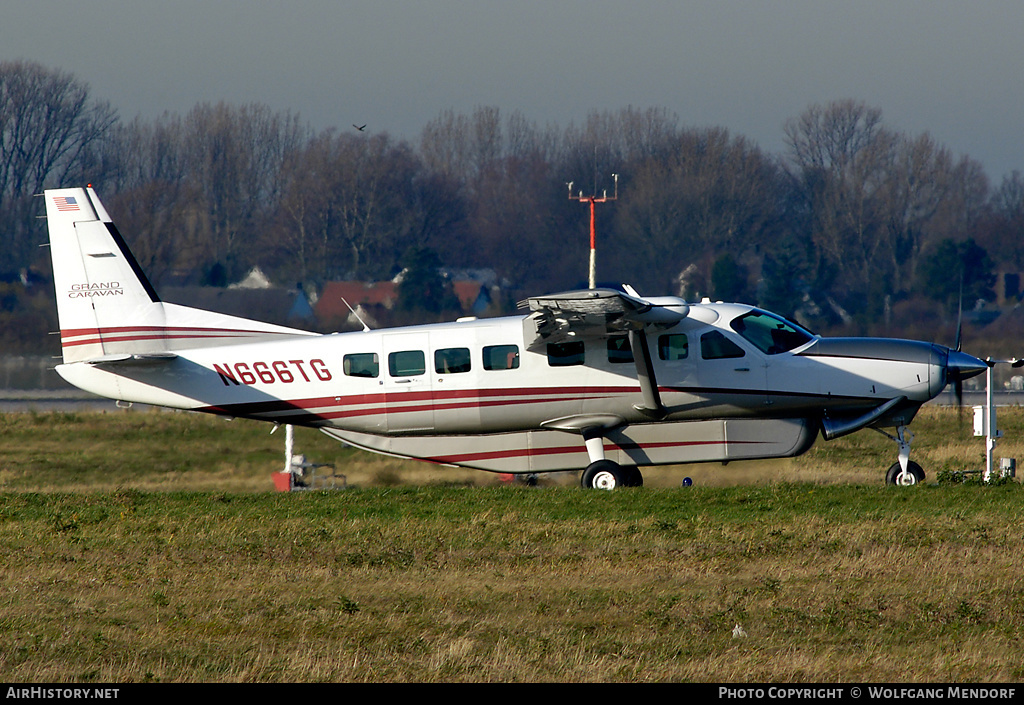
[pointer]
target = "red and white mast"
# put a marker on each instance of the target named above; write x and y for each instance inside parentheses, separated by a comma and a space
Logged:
(594, 199)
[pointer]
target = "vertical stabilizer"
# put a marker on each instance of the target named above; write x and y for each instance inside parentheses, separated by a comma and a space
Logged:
(105, 303)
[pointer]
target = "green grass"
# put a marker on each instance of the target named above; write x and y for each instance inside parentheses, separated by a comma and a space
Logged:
(150, 547)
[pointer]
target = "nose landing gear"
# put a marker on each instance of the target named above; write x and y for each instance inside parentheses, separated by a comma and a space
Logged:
(904, 472)
(912, 476)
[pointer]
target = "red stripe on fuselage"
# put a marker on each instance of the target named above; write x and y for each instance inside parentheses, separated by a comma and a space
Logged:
(137, 333)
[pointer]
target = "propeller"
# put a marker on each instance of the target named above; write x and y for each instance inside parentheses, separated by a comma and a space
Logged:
(961, 366)
(958, 381)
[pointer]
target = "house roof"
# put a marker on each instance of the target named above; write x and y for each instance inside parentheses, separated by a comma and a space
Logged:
(468, 292)
(331, 304)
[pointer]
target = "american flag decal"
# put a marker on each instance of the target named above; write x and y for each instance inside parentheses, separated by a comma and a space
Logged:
(65, 203)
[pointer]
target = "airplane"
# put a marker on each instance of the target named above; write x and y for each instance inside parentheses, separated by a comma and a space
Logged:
(598, 380)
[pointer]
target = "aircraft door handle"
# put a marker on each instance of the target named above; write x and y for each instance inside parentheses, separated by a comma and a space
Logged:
(743, 369)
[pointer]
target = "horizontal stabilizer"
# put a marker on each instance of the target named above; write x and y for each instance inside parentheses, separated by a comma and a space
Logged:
(137, 359)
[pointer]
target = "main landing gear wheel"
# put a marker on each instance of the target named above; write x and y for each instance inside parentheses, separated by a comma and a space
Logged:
(913, 476)
(608, 475)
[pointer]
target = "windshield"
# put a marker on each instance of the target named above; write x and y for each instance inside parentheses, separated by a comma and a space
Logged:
(769, 333)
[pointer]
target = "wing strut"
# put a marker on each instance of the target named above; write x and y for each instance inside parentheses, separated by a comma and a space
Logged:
(593, 428)
(652, 405)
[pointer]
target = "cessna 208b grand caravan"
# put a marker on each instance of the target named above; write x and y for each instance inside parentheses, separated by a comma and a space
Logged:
(600, 380)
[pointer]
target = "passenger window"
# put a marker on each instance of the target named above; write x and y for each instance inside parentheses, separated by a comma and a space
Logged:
(565, 354)
(715, 346)
(407, 363)
(451, 360)
(673, 346)
(619, 350)
(361, 365)
(501, 357)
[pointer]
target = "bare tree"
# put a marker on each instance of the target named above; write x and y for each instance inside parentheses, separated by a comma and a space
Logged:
(50, 131)
(352, 205)
(1003, 231)
(704, 194)
(928, 197)
(839, 159)
(506, 193)
(233, 158)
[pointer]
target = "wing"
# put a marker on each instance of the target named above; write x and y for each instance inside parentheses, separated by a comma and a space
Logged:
(594, 314)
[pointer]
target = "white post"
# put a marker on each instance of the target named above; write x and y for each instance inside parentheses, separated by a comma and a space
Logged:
(289, 446)
(991, 433)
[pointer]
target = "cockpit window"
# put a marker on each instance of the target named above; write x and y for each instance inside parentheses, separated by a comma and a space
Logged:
(769, 333)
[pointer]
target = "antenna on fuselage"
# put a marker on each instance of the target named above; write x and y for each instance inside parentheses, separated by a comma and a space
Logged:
(592, 200)
(366, 328)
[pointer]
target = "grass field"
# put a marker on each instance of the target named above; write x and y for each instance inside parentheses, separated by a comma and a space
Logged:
(151, 547)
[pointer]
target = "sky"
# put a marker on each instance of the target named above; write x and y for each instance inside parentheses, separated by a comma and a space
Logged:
(952, 69)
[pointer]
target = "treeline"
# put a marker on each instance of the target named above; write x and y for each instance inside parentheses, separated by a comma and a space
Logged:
(852, 219)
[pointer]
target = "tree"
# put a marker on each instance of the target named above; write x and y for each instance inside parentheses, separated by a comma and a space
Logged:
(50, 133)
(200, 190)
(1002, 230)
(423, 290)
(838, 158)
(728, 279)
(233, 159)
(870, 201)
(352, 204)
(784, 274)
(703, 195)
(954, 265)
(513, 211)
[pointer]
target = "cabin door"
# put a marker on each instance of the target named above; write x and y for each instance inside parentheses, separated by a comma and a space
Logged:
(408, 399)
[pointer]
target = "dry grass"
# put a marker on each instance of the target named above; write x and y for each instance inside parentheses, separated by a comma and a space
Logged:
(466, 584)
(113, 572)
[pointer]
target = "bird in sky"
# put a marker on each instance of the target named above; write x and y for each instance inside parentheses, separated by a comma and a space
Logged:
(360, 128)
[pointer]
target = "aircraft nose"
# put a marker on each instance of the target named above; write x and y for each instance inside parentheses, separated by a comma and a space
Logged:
(962, 366)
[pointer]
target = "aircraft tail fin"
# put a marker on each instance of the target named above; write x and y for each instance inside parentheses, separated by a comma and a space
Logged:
(106, 305)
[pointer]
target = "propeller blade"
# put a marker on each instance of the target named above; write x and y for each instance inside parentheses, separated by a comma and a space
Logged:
(960, 315)
(958, 392)
(961, 366)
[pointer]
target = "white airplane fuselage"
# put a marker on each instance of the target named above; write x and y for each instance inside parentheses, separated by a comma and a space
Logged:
(455, 415)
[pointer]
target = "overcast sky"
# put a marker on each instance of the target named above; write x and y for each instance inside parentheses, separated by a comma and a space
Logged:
(954, 69)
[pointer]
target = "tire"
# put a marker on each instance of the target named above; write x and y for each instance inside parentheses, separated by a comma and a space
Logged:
(633, 477)
(913, 470)
(604, 475)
